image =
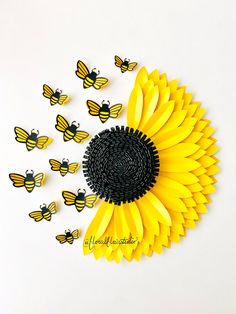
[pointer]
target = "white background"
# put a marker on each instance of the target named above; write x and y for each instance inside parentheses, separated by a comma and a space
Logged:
(40, 42)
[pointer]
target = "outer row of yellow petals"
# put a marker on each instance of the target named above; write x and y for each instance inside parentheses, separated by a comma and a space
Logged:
(165, 113)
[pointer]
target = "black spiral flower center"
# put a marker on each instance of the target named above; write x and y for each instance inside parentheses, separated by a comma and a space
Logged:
(121, 164)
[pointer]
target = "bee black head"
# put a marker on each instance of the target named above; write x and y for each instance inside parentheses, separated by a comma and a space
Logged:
(75, 124)
(106, 102)
(43, 206)
(127, 60)
(67, 232)
(29, 173)
(59, 91)
(81, 193)
(65, 161)
(95, 71)
(34, 133)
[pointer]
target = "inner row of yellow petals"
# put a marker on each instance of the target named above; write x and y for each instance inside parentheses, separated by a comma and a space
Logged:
(167, 115)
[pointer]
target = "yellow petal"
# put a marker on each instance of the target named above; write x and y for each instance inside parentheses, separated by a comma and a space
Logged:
(134, 111)
(154, 75)
(196, 187)
(134, 220)
(122, 228)
(179, 150)
(153, 203)
(158, 119)
(169, 201)
(149, 219)
(173, 187)
(212, 170)
(178, 164)
(194, 137)
(172, 137)
(164, 96)
(181, 177)
(153, 210)
(147, 87)
(174, 121)
(99, 223)
(173, 85)
(178, 94)
(149, 105)
(207, 161)
(142, 77)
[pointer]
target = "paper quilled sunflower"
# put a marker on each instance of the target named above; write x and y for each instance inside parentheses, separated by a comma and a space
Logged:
(155, 175)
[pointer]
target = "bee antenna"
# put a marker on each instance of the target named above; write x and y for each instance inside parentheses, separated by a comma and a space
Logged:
(98, 72)
(26, 171)
(78, 125)
(32, 172)
(38, 132)
(59, 90)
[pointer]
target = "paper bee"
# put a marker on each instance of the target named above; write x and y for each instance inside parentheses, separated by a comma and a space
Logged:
(68, 236)
(125, 65)
(29, 181)
(104, 112)
(70, 131)
(90, 78)
(46, 212)
(80, 200)
(31, 140)
(64, 167)
(55, 97)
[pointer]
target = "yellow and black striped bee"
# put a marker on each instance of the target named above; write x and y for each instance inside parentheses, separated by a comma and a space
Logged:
(90, 78)
(55, 97)
(29, 181)
(125, 65)
(80, 200)
(46, 212)
(70, 131)
(104, 112)
(31, 140)
(68, 236)
(64, 167)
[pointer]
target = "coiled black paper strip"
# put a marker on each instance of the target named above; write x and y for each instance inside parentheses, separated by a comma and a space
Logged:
(121, 164)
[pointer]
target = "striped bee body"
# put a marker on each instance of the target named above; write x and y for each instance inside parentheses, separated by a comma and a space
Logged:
(46, 213)
(29, 182)
(69, 237)
(64, 168)
(31, 141)
(124, 66)
(69, 133)
(90, 79)
(80, 201)
(55, 98)
(104, 112)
